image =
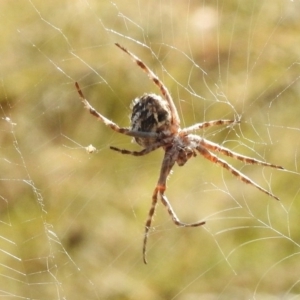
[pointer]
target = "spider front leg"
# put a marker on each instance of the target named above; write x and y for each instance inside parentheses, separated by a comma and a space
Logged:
(171, 212)
(167, 165)
(148, 223)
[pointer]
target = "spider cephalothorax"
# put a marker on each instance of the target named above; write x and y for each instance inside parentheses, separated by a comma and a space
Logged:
(155, 124)
(185, 150)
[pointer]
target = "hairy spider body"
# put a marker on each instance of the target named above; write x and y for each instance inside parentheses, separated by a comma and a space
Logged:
(150, 113)
(155, 124)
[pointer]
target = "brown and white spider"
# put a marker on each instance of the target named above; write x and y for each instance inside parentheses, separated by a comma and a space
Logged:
(155, 123)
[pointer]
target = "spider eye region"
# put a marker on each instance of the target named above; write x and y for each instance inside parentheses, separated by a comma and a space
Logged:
(184, 155)
(150, 113)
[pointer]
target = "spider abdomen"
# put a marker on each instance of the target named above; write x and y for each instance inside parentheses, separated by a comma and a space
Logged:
(150, 113)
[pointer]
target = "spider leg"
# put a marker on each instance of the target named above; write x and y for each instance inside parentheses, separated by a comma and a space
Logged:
(111, 124)
(175, 219)
(167, 165)
(148, 223)
(138, 153)
(246, 159)
(165, 92)
(171, 212)
(213, 158)
(207, 124)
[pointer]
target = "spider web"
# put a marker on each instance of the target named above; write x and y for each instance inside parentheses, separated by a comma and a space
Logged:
(73, 212)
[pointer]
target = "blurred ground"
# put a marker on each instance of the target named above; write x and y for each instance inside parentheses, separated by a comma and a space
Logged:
(72, 223)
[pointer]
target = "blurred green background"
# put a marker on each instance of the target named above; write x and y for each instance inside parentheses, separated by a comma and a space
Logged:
(72, 223)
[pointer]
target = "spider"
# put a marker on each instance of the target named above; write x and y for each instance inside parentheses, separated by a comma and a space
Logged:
(155, 124)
